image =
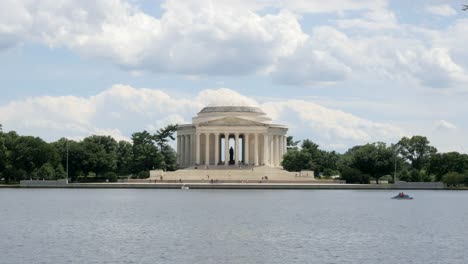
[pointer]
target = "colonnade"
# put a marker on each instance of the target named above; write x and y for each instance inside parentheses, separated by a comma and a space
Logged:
(205, 148)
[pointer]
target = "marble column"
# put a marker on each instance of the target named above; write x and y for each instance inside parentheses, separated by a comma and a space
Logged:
(272, 151)
(216, 149)
(207, 148)
(246, 149)
(265, 149)
(281, 148)
(187, 150)
(285, 139)
(277, 150)
(197, 149)
(226, 149)
(236, 149)
(178, 150)
(182, 150)
(256, 149)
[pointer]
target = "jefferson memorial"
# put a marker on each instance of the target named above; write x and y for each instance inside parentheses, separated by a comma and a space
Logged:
(231, 136)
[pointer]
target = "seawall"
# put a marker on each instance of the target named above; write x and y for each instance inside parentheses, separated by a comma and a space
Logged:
(264, 185)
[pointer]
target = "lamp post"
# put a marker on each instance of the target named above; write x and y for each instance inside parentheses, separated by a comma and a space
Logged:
(67, 158)
(395, 153)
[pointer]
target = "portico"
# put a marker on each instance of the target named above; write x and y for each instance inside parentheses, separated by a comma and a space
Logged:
(231, 135)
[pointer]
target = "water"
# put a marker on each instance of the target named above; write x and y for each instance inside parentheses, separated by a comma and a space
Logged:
(231, 226)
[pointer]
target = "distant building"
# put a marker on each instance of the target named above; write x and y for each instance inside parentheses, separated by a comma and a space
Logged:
(231, 135)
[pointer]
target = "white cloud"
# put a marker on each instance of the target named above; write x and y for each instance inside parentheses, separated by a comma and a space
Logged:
(205, 37)
(443, 124)
(377, 19)
(330, 6)
(441, 10)
(191, 37)
(330, 126)
(122, 110)
(308, 67)
(223, 96)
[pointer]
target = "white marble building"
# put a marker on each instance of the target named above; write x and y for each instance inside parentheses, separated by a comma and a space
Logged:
(252, 137)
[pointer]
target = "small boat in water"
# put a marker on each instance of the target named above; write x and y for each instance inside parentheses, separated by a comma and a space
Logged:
(402, 196)
(184, 187)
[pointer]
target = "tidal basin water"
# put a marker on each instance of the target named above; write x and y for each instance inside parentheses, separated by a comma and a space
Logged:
(231, 226)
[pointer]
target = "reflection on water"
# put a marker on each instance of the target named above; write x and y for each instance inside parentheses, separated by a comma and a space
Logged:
(231, 226)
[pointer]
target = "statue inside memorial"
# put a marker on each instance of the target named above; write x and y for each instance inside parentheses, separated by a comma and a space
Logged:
(231, 156)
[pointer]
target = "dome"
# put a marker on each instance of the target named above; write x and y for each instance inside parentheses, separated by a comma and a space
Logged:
(230, 109)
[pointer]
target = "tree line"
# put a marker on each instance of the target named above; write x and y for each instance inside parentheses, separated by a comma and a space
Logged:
(95, 158)
(98, 158)
(412, 159)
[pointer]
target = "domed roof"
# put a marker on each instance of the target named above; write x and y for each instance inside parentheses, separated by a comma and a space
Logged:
(230, 109)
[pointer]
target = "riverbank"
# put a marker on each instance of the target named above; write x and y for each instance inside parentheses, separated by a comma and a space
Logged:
(263, 185)
(9, 185)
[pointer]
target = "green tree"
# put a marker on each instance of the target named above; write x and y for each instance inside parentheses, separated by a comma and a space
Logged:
(443, 163)
(375, 159)
(327, 162)
(353, 175)
(3, 153)
(453, 179)
(164, 134)
(76, 156)
(146, 155)
(46, 171)
(100, 154)
(110, 176)
(30, 153)
(170, 158)
(297, 160)
(416, 150)
(60, 172)
(124, 158)
(291, 143)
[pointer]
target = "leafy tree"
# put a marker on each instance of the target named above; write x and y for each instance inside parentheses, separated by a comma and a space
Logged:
(146, 155)
(30, 153)
(124, 157)
(60, 172)
(443, 163)
(327, 162)
(110, 176)
(416, 150)
(100, 154)
(352, 175)
(164, 134)
(291, 143)
(46, 171)
(311, 148)
(76, 156)
(297, 160)
(3, 153)
(170, 158)
(453, 179)
(375, 159)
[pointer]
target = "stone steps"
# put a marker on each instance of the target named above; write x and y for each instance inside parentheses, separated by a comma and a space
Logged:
(233, 174)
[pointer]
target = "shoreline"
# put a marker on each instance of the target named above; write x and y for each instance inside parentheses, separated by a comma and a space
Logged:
(238, 186)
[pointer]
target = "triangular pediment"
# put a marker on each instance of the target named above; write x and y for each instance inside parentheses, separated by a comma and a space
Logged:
(231, 121)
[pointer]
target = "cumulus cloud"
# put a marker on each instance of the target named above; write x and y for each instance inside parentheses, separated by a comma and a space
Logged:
(443, 124)
(330, 126)
(191, 37)
(205, 37)
(441, 10)
(122, 110)
(308, 67)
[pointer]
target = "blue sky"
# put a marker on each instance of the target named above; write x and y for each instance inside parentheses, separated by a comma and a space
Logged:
(340, 73)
